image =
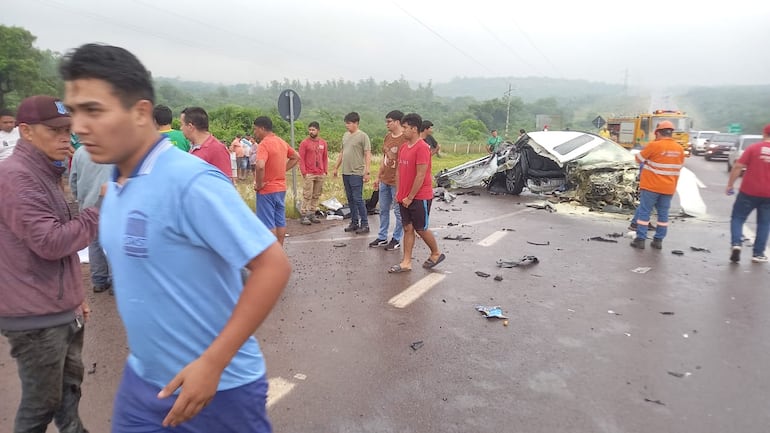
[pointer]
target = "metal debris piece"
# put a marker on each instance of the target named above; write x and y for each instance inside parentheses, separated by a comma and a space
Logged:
(340, 244)
(677, 252)
(416, 345)
(457, 238)
(613, 312)
(615, 235)
(92, 370)
(508, 230)
(482, 274)
(667, 313)
(452, 224)
(700, 250)
(654, 401)
(300, 376)
(498, 277)
(546, 243)
(544, 206)
(525, 261)
(491, 312)
(601, 239)
(641, 270)
(680, 375)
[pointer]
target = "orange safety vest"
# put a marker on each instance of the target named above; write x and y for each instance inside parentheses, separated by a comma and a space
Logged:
(663, 160)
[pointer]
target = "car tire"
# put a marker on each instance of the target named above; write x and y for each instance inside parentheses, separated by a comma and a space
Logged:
(708, 158)
(514, 180)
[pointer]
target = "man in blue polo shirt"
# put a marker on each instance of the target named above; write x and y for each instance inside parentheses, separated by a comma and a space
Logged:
(176, 234)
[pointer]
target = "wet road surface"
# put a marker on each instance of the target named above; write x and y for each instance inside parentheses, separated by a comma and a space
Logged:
(587, 347)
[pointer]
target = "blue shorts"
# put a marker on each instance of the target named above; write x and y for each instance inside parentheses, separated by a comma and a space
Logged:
(137, 409)
(271, 209)
(243, 162)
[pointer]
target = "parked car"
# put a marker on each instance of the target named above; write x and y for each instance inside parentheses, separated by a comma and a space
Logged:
(698, 141)
(744, 141)
(585, 167)
(719, 145)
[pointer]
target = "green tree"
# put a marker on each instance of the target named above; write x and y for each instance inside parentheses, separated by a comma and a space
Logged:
(24, 70)
(472, 130)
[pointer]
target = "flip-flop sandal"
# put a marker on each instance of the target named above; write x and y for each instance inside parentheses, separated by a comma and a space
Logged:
(428, 264)
(397, 269)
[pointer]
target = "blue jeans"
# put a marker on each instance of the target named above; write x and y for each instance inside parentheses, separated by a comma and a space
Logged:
(50, 364)
(742, 207)
(388, 202)
(100, 269)
(648, 200)
(354, 190)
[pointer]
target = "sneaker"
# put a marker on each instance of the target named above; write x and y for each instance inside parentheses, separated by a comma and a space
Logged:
(314, 219)
(305, 221)
(378, 243)
(393, 245)
(735, 255)
(657, 244)
(362, 230)
(759, 259)
(351, 228)
(637, 243)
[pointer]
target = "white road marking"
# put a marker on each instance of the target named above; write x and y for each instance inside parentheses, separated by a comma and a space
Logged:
(347, 238)
(491, 239)
(277, 389)
(413, 292)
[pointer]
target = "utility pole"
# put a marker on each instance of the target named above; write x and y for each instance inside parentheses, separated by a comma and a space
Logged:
(508, 110)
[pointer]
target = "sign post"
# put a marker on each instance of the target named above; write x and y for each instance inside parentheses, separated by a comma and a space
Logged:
(599, 122)
(289, 107)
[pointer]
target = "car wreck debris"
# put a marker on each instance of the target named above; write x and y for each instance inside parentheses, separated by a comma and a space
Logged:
(578, 166)
(482, 274)
(525, 261)
(491, 312)
(601, 239)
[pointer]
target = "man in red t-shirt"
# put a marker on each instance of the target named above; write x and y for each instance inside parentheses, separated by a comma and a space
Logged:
(314, 165)
(415, 194)
(194, 124)
(274, 158)
(754, 194)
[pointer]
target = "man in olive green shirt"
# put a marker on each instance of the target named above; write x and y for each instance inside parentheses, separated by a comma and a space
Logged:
(355, 158)
(163, 116)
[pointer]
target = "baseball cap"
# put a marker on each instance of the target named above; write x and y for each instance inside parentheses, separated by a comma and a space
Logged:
(47, 110)
(766, 129)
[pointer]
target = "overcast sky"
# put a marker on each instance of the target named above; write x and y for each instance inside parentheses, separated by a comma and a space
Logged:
(650, 44)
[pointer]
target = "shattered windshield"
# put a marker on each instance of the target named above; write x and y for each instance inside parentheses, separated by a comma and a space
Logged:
(607, 153)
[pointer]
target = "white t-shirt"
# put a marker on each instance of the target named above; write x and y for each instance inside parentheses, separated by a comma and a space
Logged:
(8, 142)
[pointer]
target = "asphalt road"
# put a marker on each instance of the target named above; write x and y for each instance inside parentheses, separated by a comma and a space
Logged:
(589, 346)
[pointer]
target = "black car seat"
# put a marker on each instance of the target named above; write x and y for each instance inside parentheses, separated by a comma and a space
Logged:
(539, 166)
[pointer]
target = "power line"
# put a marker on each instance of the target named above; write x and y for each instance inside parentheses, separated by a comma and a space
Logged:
(505, 44)
(531, 42)
(443, 38)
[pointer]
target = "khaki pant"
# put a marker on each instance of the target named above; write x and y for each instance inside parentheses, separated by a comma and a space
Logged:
(311, 191)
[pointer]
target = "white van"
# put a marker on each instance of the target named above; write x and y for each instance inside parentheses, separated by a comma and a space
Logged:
(698, 141)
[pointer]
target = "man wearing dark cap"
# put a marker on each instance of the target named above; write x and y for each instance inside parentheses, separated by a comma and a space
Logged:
(754, 194)
(43, 308)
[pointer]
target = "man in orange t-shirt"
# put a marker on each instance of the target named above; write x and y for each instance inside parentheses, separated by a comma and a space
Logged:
(662, 161)
(274, 158)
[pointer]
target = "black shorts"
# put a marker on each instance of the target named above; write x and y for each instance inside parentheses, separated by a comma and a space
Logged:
(417, 214)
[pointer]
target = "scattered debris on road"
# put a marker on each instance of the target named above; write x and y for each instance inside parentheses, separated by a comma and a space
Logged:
(457, 238)
(498, 277)
(92, 370)
(679, 375)
(641, 270)
(602, 239)
(667, 313)
(482, 274)
(416, 345)
(700, 250)
(543, 206)
(613, 312)
(542, 244)
(491, 312)
(677, 252)
(525, 261)
(654, 401)
(340, 244)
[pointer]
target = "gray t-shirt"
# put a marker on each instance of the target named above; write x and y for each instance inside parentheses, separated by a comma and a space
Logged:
(354, 147)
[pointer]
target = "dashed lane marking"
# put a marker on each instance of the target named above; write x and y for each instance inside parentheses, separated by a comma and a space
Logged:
(491, 239)
(416, 290)
(277, 389)
(347, 238)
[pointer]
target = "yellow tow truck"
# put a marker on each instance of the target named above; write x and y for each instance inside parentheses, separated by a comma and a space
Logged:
(634, 132)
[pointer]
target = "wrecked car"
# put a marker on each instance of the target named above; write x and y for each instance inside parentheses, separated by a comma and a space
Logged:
(580, 166)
